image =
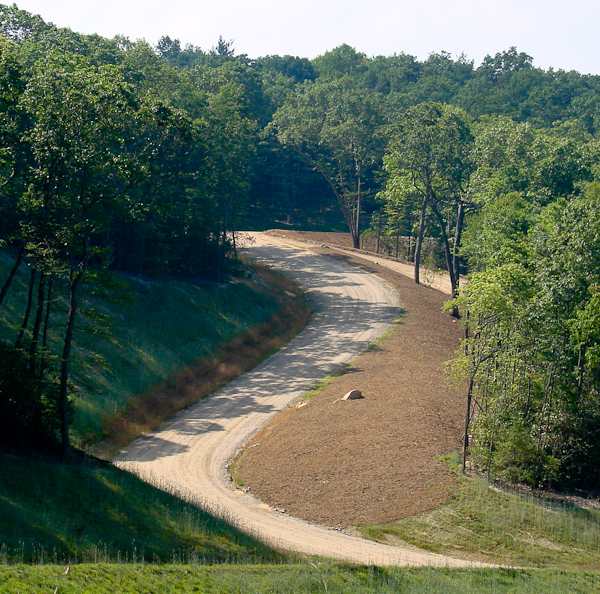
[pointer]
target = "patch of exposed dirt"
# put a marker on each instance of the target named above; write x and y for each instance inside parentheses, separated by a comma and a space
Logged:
(319, 238)
(344, 463)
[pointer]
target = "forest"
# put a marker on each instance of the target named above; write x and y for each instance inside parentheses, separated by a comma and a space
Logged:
(117, 156)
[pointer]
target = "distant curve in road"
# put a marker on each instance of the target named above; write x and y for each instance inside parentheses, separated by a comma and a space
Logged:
(190, 454)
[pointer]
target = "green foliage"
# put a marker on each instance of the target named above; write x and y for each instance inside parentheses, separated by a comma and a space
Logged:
(339, 62)
(429, 168)
(531, 321)
(293, 67)
(518, 157)
(498, 233)
(334, 126)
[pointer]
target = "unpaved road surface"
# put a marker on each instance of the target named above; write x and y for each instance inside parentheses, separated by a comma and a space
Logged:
(190, 454)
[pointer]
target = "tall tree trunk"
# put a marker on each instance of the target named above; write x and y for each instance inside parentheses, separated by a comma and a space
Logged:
(12, 273)
(25, 322)
(467, 422)
(37, 324)
(358, 209)
(66, 358)
(45, 331)
(446, 242)
(460, 218)
(419, 245)
(349, 214)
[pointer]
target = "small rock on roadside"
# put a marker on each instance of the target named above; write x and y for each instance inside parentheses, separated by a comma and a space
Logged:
(353, 395)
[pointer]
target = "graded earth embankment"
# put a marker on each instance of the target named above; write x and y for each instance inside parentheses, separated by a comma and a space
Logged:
(373, 460)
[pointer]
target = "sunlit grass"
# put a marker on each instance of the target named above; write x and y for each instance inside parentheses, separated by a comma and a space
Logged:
(481, 522)
(284, 579)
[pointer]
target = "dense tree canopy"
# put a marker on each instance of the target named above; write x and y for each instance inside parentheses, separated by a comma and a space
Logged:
(119, 156)
(334, 125)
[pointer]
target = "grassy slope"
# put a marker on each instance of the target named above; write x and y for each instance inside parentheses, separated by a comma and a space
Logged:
(168, 326)
(152, 328)
(89, 512)
(481, 522)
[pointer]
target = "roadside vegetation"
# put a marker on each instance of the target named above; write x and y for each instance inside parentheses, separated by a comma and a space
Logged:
(145, 331)
(88, 511)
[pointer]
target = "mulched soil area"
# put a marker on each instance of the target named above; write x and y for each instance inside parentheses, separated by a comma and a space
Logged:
(370, 461)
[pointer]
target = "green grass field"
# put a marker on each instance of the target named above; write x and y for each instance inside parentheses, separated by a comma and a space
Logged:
(287, 579)
(90, 511)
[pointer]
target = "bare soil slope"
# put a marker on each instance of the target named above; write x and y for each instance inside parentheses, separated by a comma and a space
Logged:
(344, 463)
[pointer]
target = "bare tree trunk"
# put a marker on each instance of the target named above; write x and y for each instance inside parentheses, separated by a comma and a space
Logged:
(349, 214)
(45, 331)
(446, 242)
(66, 358)
(547, 401)
(460, 217)
(467, 422)
(12, 273)
(420, 240)
(358, 209)
(25, 322)
(37, 324)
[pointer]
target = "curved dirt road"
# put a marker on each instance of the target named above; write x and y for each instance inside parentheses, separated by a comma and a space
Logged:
(190, 454)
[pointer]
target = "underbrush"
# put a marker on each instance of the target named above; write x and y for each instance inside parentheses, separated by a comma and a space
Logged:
(283, 579)
(90, 511)
(481, 522)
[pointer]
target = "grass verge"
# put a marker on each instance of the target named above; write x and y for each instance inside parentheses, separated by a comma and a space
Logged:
(283, 579)
(482, 523)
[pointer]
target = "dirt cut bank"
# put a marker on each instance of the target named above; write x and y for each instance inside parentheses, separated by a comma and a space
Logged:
(344, 463)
